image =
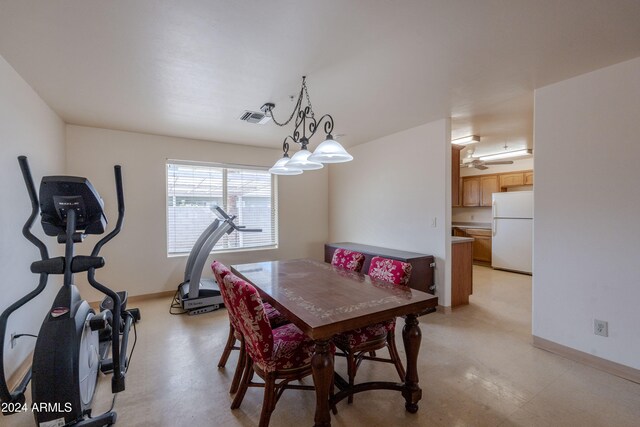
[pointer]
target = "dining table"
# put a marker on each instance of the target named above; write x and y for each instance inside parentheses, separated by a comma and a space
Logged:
(323, 301)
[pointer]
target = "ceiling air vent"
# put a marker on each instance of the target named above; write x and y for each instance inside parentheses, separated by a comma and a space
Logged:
(254, 117)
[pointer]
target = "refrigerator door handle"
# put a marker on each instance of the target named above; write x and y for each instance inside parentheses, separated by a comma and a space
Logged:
(493, 214)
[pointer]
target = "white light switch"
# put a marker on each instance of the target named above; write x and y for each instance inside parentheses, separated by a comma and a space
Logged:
(434, 222)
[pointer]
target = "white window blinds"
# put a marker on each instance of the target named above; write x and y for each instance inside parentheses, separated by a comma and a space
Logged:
(247, 193)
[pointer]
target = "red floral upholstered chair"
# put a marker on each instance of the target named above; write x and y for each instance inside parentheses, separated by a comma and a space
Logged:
(275, 319)
(390, 270)
(355, 344)
(281, 354)
(348, 260)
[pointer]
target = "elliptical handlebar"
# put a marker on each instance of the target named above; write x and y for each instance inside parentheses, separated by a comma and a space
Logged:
(120, 195)
(118, 357)
(35, 208)
(117, 171)
(17, 396)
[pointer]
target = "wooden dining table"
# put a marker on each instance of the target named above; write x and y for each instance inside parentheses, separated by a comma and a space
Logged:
(323, 301)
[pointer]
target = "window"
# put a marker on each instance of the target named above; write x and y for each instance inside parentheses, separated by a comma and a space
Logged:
(248, 193)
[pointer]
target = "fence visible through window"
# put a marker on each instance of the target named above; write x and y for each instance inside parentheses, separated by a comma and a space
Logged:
(192, 190)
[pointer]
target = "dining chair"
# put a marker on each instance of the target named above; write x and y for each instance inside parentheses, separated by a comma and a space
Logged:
(357, 343)
(277, 355)
(347, 260)
(276, 319)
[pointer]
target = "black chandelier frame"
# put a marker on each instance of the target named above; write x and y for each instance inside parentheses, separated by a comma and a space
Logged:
(305, 121)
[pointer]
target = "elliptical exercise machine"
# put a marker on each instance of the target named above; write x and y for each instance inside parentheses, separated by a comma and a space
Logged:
(74, 342)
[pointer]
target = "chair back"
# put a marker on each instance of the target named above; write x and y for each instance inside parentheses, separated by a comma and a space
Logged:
(390, 270)
(348, 260)
(219, 271)
(252, 320)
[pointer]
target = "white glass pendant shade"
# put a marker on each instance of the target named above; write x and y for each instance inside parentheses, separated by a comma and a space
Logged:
(330, 151)
(281, 168)
(300, 160)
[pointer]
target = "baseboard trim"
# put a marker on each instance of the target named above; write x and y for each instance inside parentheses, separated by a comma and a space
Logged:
(17, 375)
(146, 297)
(443, 309)
(138, 298)
(596, 362)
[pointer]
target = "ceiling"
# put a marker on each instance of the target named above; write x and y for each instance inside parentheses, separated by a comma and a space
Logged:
(190, 68)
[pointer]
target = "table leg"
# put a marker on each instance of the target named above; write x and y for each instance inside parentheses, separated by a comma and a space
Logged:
(322, 365)
(411, 336)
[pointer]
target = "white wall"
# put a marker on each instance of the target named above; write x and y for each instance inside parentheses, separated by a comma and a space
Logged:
(587, 199)
(27, 126)
(137, 258)
(391, 192)
(472, 214)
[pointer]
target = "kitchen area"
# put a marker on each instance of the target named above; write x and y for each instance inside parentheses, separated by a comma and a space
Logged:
(492, 215)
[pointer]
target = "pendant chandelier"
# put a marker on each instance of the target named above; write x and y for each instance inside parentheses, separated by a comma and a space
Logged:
(306, 125)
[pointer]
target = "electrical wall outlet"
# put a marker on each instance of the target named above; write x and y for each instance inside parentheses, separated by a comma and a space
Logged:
(472, 217)
(601, 327)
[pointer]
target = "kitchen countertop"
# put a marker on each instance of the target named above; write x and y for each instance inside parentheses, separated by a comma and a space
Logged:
(482, 225)
(457, 239)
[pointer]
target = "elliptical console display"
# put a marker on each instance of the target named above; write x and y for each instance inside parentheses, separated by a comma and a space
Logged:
(74, 341)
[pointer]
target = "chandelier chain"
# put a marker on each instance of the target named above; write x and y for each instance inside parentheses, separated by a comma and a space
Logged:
(306, 91)
(295, 109)
(292, 114)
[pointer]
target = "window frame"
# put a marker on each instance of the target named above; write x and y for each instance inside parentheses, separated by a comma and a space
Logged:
(224, 167)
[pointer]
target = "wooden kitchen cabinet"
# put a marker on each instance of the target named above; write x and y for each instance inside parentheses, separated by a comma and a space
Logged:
(481, 244)
(461, 272)
(488, 185)
(471, 191)
(455, 174)
(528, 178)
(477, 190)
(511, 179)
(458, 232)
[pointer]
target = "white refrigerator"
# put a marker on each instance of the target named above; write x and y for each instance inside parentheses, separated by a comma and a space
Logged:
(511, 246)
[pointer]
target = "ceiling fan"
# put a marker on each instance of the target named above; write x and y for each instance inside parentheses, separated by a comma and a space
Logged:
(482, 164)
(470, 161)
